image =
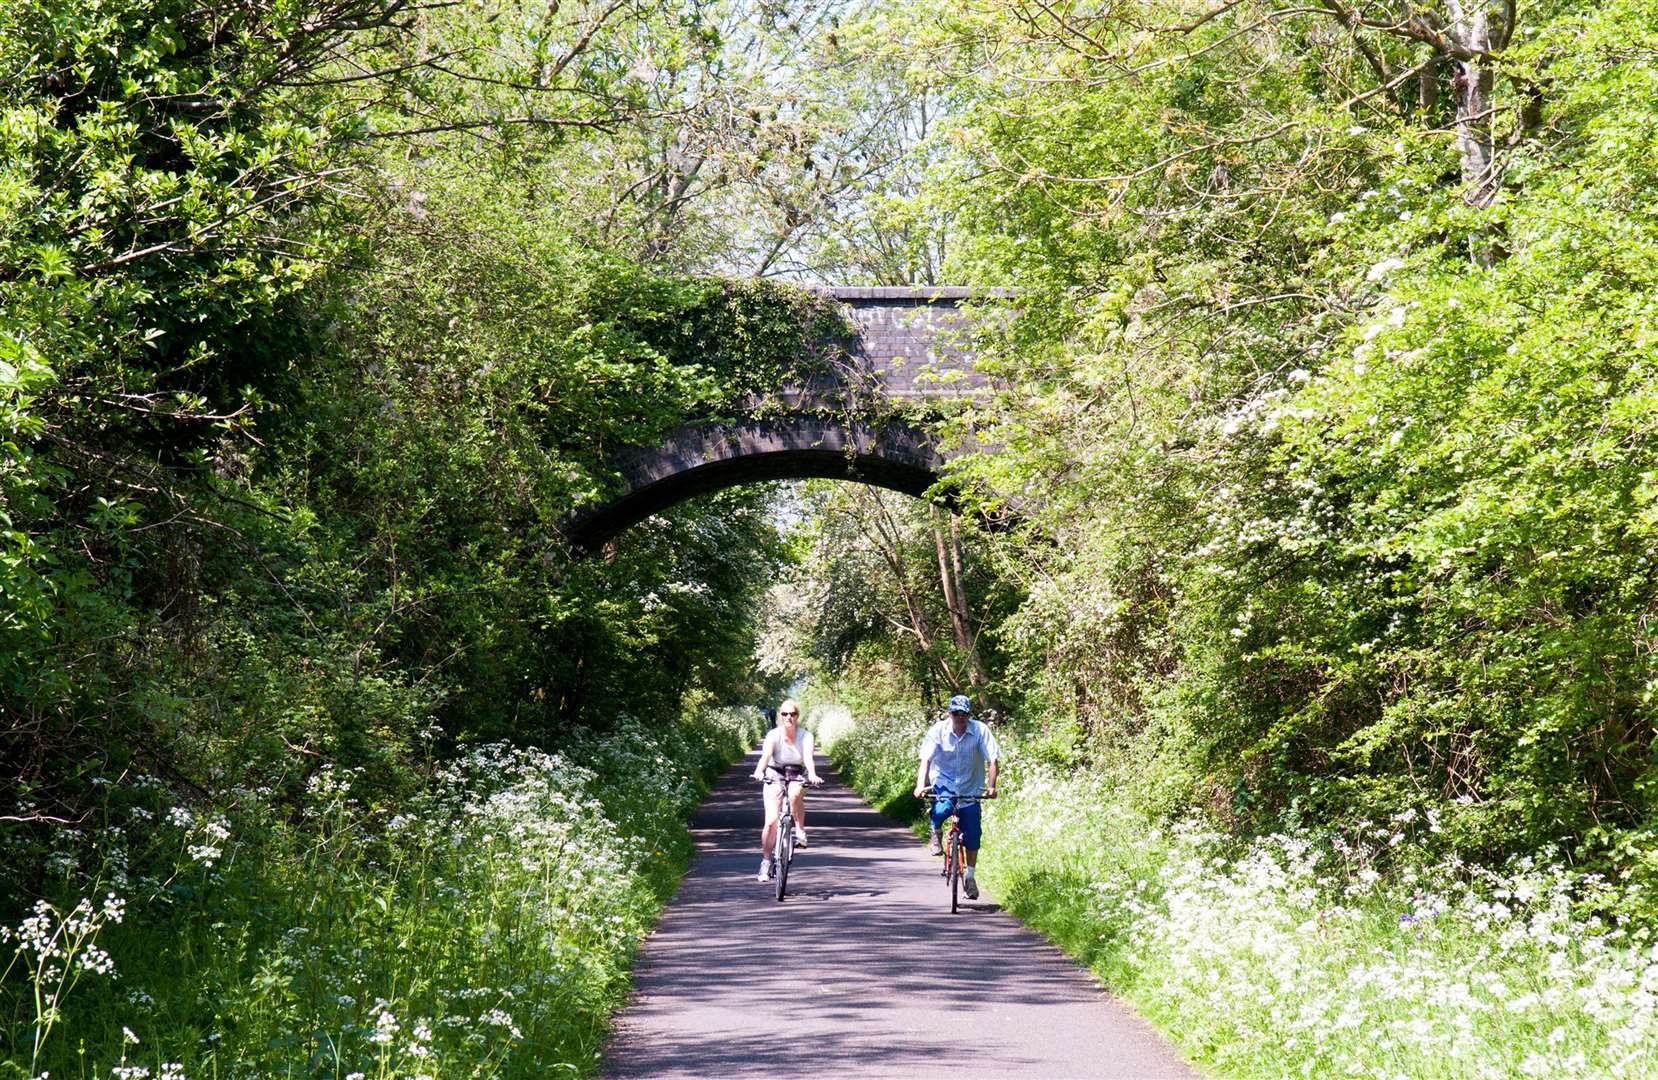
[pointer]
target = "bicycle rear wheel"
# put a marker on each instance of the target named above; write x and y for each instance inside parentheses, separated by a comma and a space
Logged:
(785, 853)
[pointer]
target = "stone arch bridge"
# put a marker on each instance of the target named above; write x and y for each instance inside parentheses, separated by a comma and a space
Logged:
(861, 417)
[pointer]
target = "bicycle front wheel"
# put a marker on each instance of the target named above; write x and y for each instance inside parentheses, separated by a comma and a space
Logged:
(955, 874)
(785, 854)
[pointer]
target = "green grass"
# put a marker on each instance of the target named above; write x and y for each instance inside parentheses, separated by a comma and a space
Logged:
(483, 929)
(1311, 955)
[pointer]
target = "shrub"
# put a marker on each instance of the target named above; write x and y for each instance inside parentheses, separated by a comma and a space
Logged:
(877, 757)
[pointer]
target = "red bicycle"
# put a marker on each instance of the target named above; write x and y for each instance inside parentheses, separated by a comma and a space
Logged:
(952, 843)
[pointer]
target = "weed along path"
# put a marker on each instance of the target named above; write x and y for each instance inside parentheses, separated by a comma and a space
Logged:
(861, 972)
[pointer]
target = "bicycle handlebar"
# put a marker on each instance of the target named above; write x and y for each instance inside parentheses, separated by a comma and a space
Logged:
(929, 793)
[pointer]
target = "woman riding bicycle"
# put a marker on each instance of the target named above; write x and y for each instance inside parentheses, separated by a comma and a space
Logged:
(787, 752)
(958, 764)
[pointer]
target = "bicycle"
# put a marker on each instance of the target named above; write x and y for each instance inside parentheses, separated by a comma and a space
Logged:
(952, 871)
(783, 846)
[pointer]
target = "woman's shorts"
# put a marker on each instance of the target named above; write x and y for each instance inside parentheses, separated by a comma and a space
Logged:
(768, 793)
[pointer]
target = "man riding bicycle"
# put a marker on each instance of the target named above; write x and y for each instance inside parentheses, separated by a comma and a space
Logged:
(959, 756)
(784, 756)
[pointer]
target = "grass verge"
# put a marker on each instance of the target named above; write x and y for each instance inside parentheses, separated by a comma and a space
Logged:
(1345, 953)
(483, 928)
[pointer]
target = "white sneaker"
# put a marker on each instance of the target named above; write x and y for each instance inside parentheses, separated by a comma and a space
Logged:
(935, 843)
(765, 871)
(800, 837)
(970, 887)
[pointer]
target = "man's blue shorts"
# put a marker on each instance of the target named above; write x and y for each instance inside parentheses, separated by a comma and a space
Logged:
(969, 818)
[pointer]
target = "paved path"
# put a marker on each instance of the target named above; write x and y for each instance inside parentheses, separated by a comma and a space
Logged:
(872, 975)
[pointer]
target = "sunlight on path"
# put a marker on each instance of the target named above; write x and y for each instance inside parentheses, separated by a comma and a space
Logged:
(862, 971)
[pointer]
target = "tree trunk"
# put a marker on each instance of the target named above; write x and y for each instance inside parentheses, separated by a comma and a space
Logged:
(1427, 90)
(1473, 85)
(889, 542)
(1477, 32)
(955, 601)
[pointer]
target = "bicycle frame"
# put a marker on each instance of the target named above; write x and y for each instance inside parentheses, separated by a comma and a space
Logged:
(953, 849)
(783, 844)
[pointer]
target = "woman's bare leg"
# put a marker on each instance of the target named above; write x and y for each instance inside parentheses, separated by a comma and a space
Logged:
(768, 831)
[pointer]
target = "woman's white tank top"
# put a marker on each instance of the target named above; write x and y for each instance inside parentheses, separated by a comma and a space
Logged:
(784, 752)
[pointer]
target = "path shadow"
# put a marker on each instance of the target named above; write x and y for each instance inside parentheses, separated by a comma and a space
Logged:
(863, 967)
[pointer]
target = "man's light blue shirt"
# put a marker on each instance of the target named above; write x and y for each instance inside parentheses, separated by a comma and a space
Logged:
(958, 761)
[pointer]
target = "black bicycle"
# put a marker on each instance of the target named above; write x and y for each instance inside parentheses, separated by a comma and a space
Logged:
(782, 850)
(953, 850)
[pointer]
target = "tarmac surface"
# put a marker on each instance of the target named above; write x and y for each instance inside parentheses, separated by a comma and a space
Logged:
(861, 971)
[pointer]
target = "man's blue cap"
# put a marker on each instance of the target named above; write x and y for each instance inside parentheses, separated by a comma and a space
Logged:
(959, 703)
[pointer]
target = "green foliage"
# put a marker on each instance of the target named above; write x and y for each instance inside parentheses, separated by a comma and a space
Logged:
(141, 295)
(865, 608)
(876, 755)
(295, 400)
(1307, 953)
(453, 437)
(1324, 456)
(481, 926)
(1335, 474)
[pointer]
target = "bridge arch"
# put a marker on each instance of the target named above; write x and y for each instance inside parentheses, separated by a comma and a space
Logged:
(906, 357)
(698, 460)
